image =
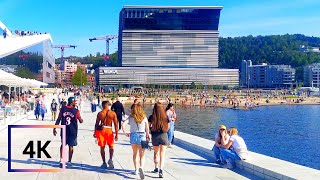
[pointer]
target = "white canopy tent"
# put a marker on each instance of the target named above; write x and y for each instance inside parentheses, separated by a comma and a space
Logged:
(9, 79)
(12, 80)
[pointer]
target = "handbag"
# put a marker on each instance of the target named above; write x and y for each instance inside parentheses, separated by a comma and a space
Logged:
(100, 126)
(144, 144)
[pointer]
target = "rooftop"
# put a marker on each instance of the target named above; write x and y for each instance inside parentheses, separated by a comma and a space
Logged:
(179, 7)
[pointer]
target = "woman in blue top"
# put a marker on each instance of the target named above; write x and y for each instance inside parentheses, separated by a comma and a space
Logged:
(43, 110)
(37, 110)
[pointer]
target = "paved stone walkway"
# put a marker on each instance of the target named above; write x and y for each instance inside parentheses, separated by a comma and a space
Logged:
(180, 164)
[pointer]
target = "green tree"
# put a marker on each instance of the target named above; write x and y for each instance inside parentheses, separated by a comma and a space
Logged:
(200, 86)
(114, 59)
(79, 78)
(119, 85)
(193, 85)
(25, 73)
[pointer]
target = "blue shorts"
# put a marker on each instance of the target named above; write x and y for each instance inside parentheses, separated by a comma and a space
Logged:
(136, 138)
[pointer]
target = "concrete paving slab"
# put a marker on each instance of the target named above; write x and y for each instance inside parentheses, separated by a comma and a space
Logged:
(179, 163)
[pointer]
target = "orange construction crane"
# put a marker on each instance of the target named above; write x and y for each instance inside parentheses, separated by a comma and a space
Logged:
(107, 39)
(61, 47)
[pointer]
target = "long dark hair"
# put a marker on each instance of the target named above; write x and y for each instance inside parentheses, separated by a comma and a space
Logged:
(159, 119)
(169, 106)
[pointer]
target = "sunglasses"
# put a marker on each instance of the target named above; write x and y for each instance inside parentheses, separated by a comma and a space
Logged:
(222, 129)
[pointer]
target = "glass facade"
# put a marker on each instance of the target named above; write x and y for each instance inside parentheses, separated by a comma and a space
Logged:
(269, 76)
(166, 76)
(169, 37)
(170, 19)
(168, 46)
(37, 59)
(312, 75)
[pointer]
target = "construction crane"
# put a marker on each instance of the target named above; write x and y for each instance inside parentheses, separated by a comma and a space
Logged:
(62, 47)
(107, 39)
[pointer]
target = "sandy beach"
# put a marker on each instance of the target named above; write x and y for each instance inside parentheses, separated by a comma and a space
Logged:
(242, 102)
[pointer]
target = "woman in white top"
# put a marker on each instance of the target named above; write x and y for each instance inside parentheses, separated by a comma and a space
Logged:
(139, 131)
(239, 148)
(172, 117)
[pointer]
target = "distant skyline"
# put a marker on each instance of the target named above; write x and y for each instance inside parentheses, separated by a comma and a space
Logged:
(74, 22)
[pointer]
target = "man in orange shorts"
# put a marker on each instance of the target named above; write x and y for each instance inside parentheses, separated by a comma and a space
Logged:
(105, 136)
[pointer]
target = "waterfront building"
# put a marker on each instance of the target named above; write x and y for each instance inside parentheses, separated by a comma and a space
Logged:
(166, 76)
(266, 76)
(30, 51)
(312, 75)
(244, 73)
(171, 45)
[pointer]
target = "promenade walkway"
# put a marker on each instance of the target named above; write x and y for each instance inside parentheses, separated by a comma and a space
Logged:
(180, 163)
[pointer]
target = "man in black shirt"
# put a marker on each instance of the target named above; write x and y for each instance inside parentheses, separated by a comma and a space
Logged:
(69, 116)
(54, 109)
(117, 107)
(63, 103)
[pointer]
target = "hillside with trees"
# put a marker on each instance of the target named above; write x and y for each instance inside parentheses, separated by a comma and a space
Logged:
(274, 49)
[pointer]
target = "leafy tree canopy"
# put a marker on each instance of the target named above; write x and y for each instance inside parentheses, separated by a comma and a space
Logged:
(274, 49)
(79, 78)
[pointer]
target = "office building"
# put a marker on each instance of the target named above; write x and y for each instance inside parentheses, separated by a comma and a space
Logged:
(244, 73)
(312, 75)
(169, 45)
(266, 76)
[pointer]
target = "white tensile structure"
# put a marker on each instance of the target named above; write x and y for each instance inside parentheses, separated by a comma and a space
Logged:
(36, 43)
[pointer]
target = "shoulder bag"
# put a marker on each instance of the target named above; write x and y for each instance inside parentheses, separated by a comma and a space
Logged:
(100, 126)
(144, 144)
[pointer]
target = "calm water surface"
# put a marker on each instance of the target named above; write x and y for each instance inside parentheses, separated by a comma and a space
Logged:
(291, 132)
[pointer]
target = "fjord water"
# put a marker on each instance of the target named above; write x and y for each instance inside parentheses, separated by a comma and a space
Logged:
(288, 132)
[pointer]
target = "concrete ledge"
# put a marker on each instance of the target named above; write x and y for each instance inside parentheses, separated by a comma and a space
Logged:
(260, 165)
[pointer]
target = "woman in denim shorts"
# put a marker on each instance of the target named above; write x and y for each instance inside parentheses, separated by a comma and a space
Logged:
(139, 131)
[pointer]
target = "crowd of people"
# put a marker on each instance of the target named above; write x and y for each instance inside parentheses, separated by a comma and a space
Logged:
(157, 128)
(21, 33)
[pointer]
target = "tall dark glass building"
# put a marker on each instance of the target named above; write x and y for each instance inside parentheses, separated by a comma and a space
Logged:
(168, 45)
(169, 36)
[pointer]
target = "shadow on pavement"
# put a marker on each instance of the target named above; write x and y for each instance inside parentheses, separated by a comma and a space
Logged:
(196, 162)
(76, 166)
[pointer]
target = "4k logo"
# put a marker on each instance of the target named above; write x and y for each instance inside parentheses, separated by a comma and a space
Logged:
(29, 149)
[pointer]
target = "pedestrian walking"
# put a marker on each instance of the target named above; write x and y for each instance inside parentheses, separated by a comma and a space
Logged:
(43, 110)
(54, 109)
(139, 134)
(37, 109)
(171, 114)
(159, 125)
(69, 116)
(103, 132)
(118, 108)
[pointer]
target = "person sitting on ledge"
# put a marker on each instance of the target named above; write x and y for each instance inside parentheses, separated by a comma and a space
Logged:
(239, 148)
(217, 146)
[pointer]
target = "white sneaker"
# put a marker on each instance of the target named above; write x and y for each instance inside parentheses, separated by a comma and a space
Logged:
(136, 172)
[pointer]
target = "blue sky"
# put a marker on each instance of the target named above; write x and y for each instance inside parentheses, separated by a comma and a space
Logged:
(74, 21)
